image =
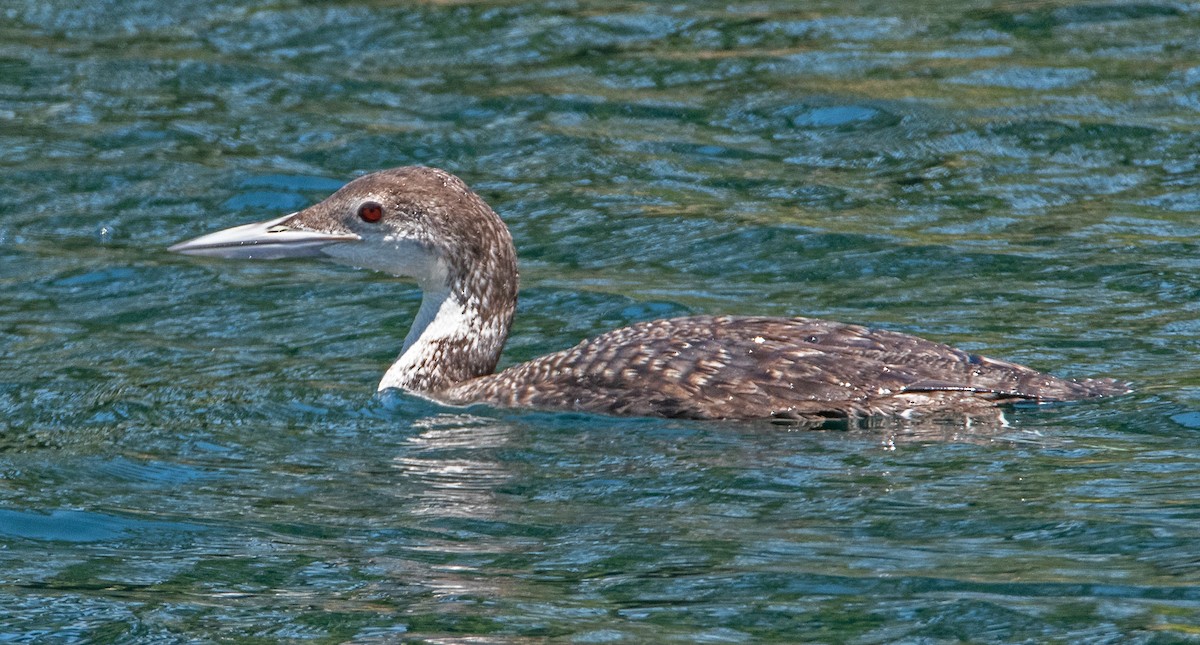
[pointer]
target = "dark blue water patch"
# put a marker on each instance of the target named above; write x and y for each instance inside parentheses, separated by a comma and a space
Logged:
(1115, 12)
(155, 474)
(96, 278)
(265, 201)
(540, 326)
(769, 112)
(82, 526)
(788, 253)
(1052, 136)
(1044, 19)
(293, 182)
(834, 116)
(1190, 420)
(150, 137)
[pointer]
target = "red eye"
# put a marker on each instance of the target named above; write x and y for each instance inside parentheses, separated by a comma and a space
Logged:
(370, 212)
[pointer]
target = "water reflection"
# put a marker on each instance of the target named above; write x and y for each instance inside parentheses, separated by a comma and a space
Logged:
(453, 476)
(448, 461)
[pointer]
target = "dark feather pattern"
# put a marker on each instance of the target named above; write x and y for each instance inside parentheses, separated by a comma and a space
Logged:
(737, 367)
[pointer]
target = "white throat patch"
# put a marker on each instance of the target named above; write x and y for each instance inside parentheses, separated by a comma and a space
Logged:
(443, 322)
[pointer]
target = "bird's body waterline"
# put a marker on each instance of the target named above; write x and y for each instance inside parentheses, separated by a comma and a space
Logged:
(427, 225)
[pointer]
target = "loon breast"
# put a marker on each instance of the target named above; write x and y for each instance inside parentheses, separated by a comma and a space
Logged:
(427, 225)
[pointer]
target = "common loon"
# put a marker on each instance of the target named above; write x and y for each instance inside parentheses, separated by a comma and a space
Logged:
(426, 224)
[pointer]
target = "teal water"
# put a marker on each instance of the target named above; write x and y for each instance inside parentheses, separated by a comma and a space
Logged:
(192, 451)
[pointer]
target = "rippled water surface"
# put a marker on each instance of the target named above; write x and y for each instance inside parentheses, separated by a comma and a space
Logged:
(191, 450)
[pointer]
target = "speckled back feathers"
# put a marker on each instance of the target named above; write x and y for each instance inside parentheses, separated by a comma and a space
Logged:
(733, 367)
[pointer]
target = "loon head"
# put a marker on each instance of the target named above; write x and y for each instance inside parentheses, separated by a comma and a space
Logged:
(415, 222)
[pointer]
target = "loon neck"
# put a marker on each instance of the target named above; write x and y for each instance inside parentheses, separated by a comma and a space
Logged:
(453, 339)
(459, 331)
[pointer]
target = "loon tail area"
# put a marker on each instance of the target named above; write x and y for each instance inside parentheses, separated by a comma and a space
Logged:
(1092, 388)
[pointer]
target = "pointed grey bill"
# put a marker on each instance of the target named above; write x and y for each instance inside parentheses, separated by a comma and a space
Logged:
(269, 240)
